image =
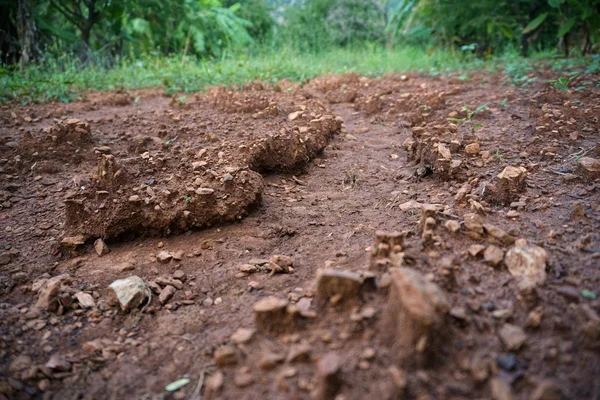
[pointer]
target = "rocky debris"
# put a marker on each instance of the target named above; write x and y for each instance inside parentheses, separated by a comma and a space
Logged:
(243, 378)
(271, 315)
(511, 182)
(434, 152)
(164, 257)
(589, 168)
(101, 248)
(534, 318)
(299, 353)
(387, 250)
(493, 255)
(329, 380)
(66, 138)
(512, 336)
(58, 364)
(71, 245)
(165, 294)
(547, 390)
(338, 285)
(270, 360)
(48, 298)
(474, 223)
(452, 225)
(214, 383)
(527, 264)
(225, 355)
(128, 293)
(472, 148)
(416, 310)
(242, 335)
(86, 300)
(590, 320)
(276, 264)
(428, 223)
(498, 233)
(500, 390)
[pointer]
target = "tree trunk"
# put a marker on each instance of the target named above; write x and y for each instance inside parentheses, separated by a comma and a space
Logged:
(27, 33)
(9, 37)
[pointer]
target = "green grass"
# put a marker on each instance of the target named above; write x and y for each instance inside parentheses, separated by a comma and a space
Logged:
(64, 79)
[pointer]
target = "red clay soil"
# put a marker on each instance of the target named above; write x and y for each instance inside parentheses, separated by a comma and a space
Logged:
(352, 238)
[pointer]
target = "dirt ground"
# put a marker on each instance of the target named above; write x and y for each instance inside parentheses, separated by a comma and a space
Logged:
(350, 238)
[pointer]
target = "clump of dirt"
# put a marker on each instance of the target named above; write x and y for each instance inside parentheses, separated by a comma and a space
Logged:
(435, 153)
(65, 139)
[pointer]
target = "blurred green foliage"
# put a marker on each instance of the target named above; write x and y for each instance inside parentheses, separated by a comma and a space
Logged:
(185, 45)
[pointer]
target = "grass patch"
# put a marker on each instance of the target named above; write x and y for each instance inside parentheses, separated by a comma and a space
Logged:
(64, 79)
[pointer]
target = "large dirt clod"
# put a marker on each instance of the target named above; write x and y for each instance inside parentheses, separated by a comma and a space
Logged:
(416, 310)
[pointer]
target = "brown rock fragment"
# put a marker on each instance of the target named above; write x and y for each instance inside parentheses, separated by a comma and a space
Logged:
(101, 248)
(416, 310)
(329, 377)
(589, 168)
(270, 315)
(512, 336)
(511, 182)
(500, 390)
(331, 282)
(166, 293)
(225, 355)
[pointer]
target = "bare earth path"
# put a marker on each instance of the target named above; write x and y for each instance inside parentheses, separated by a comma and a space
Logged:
(496, 338)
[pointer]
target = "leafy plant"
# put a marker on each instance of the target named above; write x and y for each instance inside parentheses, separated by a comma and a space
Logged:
(561, 83)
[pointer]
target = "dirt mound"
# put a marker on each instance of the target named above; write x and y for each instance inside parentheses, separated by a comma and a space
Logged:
(181, 186)
(65, 139)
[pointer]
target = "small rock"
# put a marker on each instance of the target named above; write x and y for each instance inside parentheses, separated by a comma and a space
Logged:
(500, 390)
(507, 361)
(179, 275)
(225, 355)
(472, 148)
(329, 381)
(534, 318)
(476, 249)
(452, 225)
(128, 293)
(101, 248)
(124, 267)
(214, 384)
(512, 336)
(331, 282)
(474, 222)
(547, 390)
(416, 307)
(243, 379)
(294, 116)
(511, 182)
(589, 167)
(299, 352)
(58, 364)
(85, 300)
(164, 257)
(242, 335)
(271, 314)
(480, 368)
(493, 255)
(270, 360)
(527, 264)
(48, 298)
(166, 293)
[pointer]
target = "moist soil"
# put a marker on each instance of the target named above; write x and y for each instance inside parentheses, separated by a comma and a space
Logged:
(205, 191)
